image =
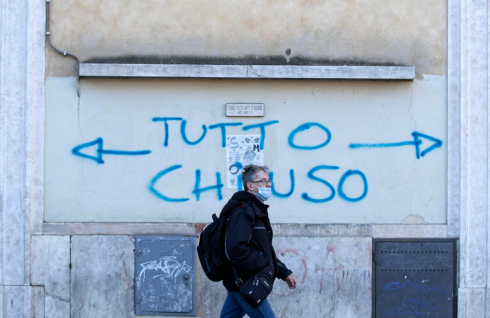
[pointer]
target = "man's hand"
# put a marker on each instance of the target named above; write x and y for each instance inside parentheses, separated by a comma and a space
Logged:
(291, 281)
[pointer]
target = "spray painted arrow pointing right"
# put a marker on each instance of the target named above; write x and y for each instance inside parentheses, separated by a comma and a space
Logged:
(417, 141)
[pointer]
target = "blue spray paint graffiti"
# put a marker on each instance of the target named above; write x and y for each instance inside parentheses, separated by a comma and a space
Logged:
(158, 193)
(197, 190)
(417, 141)
(165, 119)
(313, 177)
(234, 168)
(341, 184)
(291, 189)
(223, 126)
(187, 141)
(304, 127)
(421, 287)
(101, 151)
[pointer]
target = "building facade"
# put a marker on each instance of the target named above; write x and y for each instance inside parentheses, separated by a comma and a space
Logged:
(124, 120)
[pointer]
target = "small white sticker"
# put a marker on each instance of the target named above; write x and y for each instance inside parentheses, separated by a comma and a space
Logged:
(245, 110)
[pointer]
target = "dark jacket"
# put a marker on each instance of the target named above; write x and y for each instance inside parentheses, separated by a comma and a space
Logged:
(248, 241)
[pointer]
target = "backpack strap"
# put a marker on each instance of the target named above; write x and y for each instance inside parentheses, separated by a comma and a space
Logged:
(238, 280)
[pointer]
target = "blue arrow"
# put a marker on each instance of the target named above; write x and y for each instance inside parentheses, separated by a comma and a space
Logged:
(100, 151)
(417, 141)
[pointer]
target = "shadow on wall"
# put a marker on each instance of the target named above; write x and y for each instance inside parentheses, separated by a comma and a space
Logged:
(286, 59)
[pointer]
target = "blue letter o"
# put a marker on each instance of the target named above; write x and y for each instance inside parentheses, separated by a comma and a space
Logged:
(341, 184)
(305, 127)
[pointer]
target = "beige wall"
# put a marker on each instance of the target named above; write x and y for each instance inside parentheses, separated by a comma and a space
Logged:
(359, 32)
(400, 187)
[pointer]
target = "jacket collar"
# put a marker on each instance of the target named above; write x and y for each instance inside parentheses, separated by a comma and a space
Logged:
(259, 208)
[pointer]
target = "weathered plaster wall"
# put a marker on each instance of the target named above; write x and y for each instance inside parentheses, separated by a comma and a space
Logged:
(208, 31)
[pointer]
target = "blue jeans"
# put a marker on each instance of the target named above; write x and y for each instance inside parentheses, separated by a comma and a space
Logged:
(236, 307)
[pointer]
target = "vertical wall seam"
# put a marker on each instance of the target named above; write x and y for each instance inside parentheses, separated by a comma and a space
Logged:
(487, 299)
(464, 108)
(2, 138)
(454, 118)
(69, 280)
(13, 63)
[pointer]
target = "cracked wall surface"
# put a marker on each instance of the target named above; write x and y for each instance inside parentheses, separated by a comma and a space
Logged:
(50, 267)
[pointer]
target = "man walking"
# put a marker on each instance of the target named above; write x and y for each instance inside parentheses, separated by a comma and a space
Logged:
(248, 242)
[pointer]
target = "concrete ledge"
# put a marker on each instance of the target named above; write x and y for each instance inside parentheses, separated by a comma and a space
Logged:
(321, 230)
(119, 229)
(409, 231)
(304, 230)
(192, 229)
(248, 71)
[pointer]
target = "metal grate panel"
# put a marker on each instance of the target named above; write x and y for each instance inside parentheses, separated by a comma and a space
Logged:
(165, 275)
(414, 278)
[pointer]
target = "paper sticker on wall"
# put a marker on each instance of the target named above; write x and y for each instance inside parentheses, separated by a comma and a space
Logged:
(241, 150)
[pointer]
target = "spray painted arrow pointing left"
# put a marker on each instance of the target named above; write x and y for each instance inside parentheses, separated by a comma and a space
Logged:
(99, 142)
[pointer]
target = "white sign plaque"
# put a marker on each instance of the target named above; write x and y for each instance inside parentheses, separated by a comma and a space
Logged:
(245, 110)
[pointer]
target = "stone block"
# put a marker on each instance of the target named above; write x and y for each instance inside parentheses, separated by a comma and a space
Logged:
(1, 301)
(21, 302)
(345, 230)
(471, 303)
(185, 229)
(56, 307)
(488, 303)
(37, 302)
(13, 242)
(17, 302)
(409, 231)
(333, 273)
(102, 276)
(50, 267)
(313, 230)
(213, 297)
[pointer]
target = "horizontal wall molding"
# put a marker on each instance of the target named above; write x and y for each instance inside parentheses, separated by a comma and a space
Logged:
(248, 71)
(280, 229)
(185, 229)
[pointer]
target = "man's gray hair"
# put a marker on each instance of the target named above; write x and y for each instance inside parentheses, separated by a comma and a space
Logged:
(249, 173)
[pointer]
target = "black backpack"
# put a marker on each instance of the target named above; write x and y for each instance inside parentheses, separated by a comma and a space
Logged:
(211, 249)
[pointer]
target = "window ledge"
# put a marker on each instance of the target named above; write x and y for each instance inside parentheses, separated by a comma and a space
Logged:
(248, 71)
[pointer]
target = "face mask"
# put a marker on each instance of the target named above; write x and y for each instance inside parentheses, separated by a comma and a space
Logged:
(264, 193)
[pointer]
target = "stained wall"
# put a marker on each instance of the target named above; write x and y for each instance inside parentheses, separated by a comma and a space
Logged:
(230, 32)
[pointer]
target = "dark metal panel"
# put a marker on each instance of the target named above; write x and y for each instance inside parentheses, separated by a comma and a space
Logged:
(165, 275)
(414, 278)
